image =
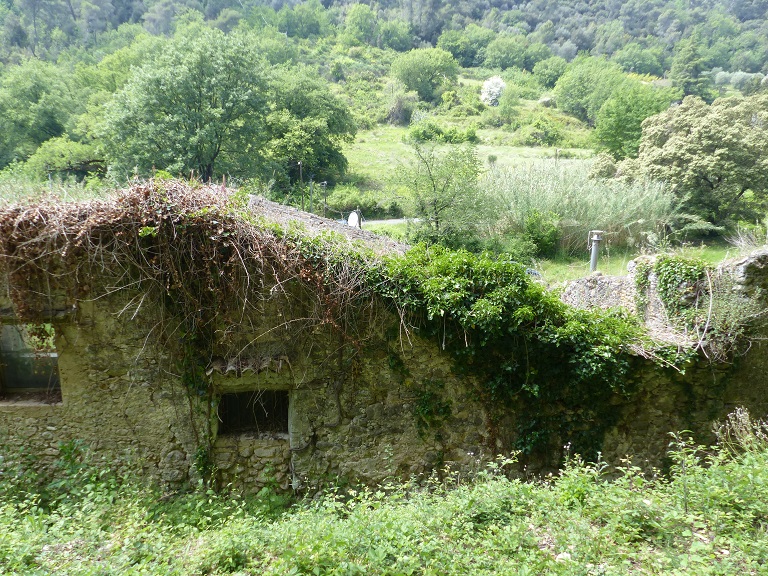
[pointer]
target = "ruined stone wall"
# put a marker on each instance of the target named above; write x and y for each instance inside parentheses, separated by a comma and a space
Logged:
(115, 398)
(387, 406)
(668, 400)
(353, 414)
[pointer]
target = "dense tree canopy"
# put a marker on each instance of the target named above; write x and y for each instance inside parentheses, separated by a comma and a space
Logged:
(586, 85)
(252, 90)
(210, 105)
(426, 71)
(732, 35)
(306, 124)
(713, 155)
(619, 120)
(199, 107)
(36, 103)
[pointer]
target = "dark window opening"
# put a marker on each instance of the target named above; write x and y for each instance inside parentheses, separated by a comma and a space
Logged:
(29, 363)
(260, 411)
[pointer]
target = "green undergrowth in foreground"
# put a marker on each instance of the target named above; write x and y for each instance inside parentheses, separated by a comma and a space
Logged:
(709, 516)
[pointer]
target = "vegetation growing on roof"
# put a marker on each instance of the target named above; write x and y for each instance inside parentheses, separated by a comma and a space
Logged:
(194, 251)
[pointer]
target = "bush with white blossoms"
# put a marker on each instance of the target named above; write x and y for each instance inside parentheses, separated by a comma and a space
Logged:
(491, 91)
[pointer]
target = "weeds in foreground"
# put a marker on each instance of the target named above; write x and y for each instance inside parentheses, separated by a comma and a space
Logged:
(709, 515)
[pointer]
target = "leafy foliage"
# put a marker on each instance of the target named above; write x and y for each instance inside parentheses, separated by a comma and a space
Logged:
(442, 188)
(520, 342)
(712, 156)
(307, 123)
(705, 517)
(427, 130)
(586, 85)
(36, 103)
(618, 122)
(687, 70)
(427, 71)
(199, 108)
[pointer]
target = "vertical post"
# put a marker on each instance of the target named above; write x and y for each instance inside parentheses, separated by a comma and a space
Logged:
(311, 194)
(324, 183)
(301, 184)
(595, 237)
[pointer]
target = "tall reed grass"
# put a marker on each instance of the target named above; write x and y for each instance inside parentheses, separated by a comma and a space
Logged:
(16, 186)
(631, 215)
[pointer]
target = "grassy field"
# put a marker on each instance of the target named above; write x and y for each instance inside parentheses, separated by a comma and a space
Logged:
(614, 262)
(709, 515)
(376, 154)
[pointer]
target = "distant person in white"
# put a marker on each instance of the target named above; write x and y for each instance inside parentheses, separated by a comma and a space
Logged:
(355, 219)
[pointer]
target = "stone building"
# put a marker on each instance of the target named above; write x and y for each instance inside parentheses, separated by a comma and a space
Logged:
(294, 385)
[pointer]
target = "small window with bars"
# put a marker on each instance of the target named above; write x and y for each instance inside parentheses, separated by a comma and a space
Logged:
(257, 411)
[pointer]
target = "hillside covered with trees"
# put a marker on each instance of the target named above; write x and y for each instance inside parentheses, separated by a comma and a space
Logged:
(271, 97)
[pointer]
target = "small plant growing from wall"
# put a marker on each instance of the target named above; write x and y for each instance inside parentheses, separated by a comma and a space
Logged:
(701, 302)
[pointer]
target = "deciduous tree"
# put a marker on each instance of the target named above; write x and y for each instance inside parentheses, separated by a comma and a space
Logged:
(442, 187)
(426, 71)
(200, 106)
(307, 124)
(713, 156)
(36, 103)
(618, 123)
(585, 86)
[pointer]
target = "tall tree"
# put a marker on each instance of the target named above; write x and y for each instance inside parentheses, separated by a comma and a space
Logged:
(200, 106)
(308, 124)
(687, 70)
(37, 101)
(426, 71)
(441, 185)
(618, 123)
(585, 86)
(712, 156)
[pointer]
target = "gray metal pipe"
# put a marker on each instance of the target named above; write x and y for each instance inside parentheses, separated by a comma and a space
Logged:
(593, 243)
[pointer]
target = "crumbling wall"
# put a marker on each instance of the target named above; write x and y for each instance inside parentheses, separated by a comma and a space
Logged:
(703, 391)
(354, 408)
(390, 405)
(115, 399)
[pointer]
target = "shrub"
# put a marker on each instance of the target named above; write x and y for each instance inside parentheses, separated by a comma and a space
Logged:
(428, 131)
(399, 103)
(548, 71)
(492, 90)
(544, 232)
(526, 85)
(345, 198)
(427, 71)
(542, 131)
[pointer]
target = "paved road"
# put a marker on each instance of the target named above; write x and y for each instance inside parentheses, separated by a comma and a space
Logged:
(391, 221)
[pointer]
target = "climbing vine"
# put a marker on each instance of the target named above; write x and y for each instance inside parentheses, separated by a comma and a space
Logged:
(679, 281)
(700, 304)
(198, 256)
(193, 254)
(521, 344)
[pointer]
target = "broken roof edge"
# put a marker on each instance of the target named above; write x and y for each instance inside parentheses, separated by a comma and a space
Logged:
(291, 218)
(139, 203)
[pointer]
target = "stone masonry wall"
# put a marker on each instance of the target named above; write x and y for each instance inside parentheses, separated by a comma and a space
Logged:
(114, 399)
(351, 414)
(356, 413)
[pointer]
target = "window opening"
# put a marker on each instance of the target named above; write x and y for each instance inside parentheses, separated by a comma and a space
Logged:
(29, 363)
(260, 411)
